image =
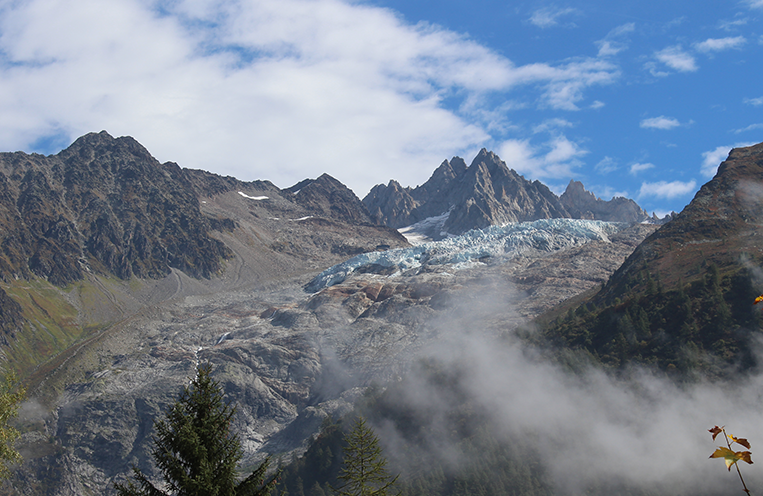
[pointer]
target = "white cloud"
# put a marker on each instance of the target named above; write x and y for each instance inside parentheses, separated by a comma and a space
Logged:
(552, 124)
(751, 127)
(549, 16)
(720, 44)
(667, 190)
(606, 165)
(612, 44)
(638, 167)
(733, 25)
(608, 192)
(676, 58)
(712, 159)
(754, 101)
(660, 122)
(300, 84)
(554, 159)
(755, 4)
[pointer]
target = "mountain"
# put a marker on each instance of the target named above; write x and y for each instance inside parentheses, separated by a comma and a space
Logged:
(683, 300)
(75, 224)
(178, 266)
(487, 193)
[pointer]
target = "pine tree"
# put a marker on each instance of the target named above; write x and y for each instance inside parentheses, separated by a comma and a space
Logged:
(365, 468)
(195, 450)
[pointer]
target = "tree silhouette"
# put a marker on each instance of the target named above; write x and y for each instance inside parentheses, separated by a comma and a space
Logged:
(195, 450)
(365, 468)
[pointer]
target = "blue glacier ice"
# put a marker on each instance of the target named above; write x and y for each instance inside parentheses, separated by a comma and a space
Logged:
(508, 241)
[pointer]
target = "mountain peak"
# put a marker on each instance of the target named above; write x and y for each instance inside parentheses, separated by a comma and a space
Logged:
(722, 225)
(489, 193)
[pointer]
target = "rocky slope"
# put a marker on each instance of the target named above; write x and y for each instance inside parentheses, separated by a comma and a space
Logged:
(94, 233)
(286, 357)
(683, 301)
(212, 268)
(488, 193)
(721, 226)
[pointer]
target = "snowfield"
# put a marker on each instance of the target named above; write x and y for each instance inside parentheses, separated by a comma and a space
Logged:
(469, 248)
(252, 197)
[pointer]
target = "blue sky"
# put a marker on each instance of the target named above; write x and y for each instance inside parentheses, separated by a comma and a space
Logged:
(641, 99)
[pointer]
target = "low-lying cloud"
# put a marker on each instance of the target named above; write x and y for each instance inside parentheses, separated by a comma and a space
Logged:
(641, 430)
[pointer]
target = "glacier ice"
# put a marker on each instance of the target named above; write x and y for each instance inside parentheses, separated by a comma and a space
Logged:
(508, 241)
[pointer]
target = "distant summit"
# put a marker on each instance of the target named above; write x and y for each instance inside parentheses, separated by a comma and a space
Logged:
(487, 193)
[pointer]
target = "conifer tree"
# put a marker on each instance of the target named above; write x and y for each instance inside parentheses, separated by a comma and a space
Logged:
(195, 450)
(365, 468)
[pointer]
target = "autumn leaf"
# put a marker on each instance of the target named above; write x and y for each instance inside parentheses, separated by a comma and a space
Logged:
(740, 440)
(758, 300)
(715, 431)
(731, 457)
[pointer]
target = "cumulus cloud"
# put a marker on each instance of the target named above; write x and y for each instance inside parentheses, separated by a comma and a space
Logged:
(676, 58)
(639, 167)
(660, 122)
(556, 158)
(666, 190)
(712, 159)
(720, 44)
(274, 89)
(550, 16)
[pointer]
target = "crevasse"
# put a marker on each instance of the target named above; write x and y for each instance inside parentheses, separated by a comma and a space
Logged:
(508, 241)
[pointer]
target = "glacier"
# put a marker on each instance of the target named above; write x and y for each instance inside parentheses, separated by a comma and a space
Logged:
(505, 242)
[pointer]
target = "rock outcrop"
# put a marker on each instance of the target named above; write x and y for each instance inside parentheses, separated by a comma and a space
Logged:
(582, 204)
(488, 193)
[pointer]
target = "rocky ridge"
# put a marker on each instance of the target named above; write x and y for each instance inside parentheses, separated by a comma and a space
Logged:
(722, 225)
(102, 229)
(286, 357)
(488, 193)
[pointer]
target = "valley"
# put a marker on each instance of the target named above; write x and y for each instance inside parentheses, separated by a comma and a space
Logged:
(229, 276)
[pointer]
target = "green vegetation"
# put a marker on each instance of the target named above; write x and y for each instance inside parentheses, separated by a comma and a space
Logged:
(461, 458)
(704, 327)
(11, 395)
(52, 324)
(195, 450)
(365, 468)
(730, 456)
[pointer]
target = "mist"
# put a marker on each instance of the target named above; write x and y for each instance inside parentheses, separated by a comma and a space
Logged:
(639, 430)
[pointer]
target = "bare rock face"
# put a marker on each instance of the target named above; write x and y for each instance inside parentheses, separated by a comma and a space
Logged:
(102, 204)
(489, 193)
(582, 204)
(330, 198)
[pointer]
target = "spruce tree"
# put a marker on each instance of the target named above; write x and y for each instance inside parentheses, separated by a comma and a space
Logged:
(365, 468)
(195, 450)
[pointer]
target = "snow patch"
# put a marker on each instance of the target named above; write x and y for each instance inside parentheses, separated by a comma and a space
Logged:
(472, 247)
(424, 230)
(301, 218)
(252, 197)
